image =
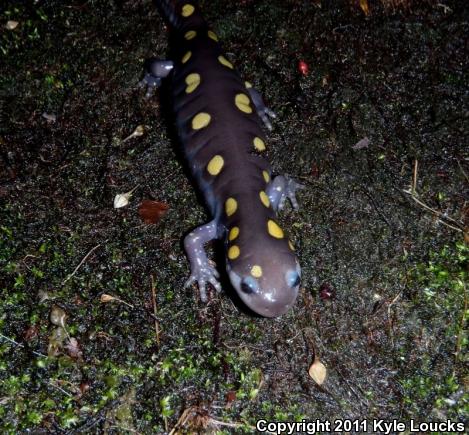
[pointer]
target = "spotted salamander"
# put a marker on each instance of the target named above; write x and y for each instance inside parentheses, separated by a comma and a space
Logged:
(218, 118)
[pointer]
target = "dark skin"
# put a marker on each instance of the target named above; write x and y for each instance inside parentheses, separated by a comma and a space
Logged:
(219, 122)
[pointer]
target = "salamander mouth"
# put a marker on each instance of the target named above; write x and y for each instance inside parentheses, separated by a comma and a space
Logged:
(266, 304)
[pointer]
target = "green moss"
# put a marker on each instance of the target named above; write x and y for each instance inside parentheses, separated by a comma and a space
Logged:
(435, 382)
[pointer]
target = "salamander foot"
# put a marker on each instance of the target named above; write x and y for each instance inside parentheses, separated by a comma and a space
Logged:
(261, 109)
(280, 189)
(202, 272)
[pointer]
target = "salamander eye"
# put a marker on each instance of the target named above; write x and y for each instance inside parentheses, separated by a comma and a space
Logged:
(293, 278)
(248, 286)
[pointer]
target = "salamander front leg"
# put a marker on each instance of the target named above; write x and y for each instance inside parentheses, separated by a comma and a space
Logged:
(155, 71)
(282, 188)
(202, 272)
(261, 109)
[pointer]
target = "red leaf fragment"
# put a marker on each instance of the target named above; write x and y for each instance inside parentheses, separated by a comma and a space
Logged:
(230, 398)
(315, 172)
(84, 387)
(303, 67)
(326, 292)
(152, 211)
(31, 333)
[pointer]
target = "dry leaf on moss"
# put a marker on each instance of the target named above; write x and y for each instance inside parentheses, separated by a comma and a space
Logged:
(106, 298)
(318, 372)
(364, 7)
(122, 199)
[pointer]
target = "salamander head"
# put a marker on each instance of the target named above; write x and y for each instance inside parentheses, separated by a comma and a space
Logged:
(267, 281)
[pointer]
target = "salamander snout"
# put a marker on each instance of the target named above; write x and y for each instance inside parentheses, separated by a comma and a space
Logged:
(269, 293)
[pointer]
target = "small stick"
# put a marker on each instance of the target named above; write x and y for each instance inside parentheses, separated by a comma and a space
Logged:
(389, 315)
(153, 299)
(414, 178)
(21, 345)
(107, 298)
(229, 424)
(81, 263)
(463, 171)
(60, 389)
(440, 215)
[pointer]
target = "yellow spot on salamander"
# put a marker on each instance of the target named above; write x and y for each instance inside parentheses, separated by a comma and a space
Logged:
(186, 57)
(200, 120)
(225, 62)
(212, 35)
(233, 252)
(256, 271)
(187, 10)
(215, 165)
(192, 81)
(243, 102)
(230, 206)
(274, 230)
(264, 198)
(191, 34)
(266, 176)
(259, 144)
(248, 85)
(290, 245)
(234, 232)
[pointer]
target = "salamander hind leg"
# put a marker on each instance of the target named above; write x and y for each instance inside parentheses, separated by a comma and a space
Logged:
(202, 272)
(280, 189)
(261, 109)
(155, 71)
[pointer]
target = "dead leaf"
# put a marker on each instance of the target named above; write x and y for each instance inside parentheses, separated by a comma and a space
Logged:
(58, 316)
(230, 398)
(122, 199)
(139, 131)
(318, 371)
(152, 211)
(362, 143)
(364, 7)
(73, 349)
(51, 117)
(31, 333)
(326, 291)
(56, 341)
(11, 25)
(107, 298)
(84, 387)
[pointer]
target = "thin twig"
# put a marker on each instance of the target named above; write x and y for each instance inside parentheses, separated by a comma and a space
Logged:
(389, 315)
(153, 300)
(229, 424)
(21, 345)
(414, 177)
(106, 298)
(440, 215)
(182, 420)
(124, 428)
(463, 171)
(81, 263)
(60, 389)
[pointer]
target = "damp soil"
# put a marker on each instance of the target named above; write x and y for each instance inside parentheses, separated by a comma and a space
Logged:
(372, 119)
